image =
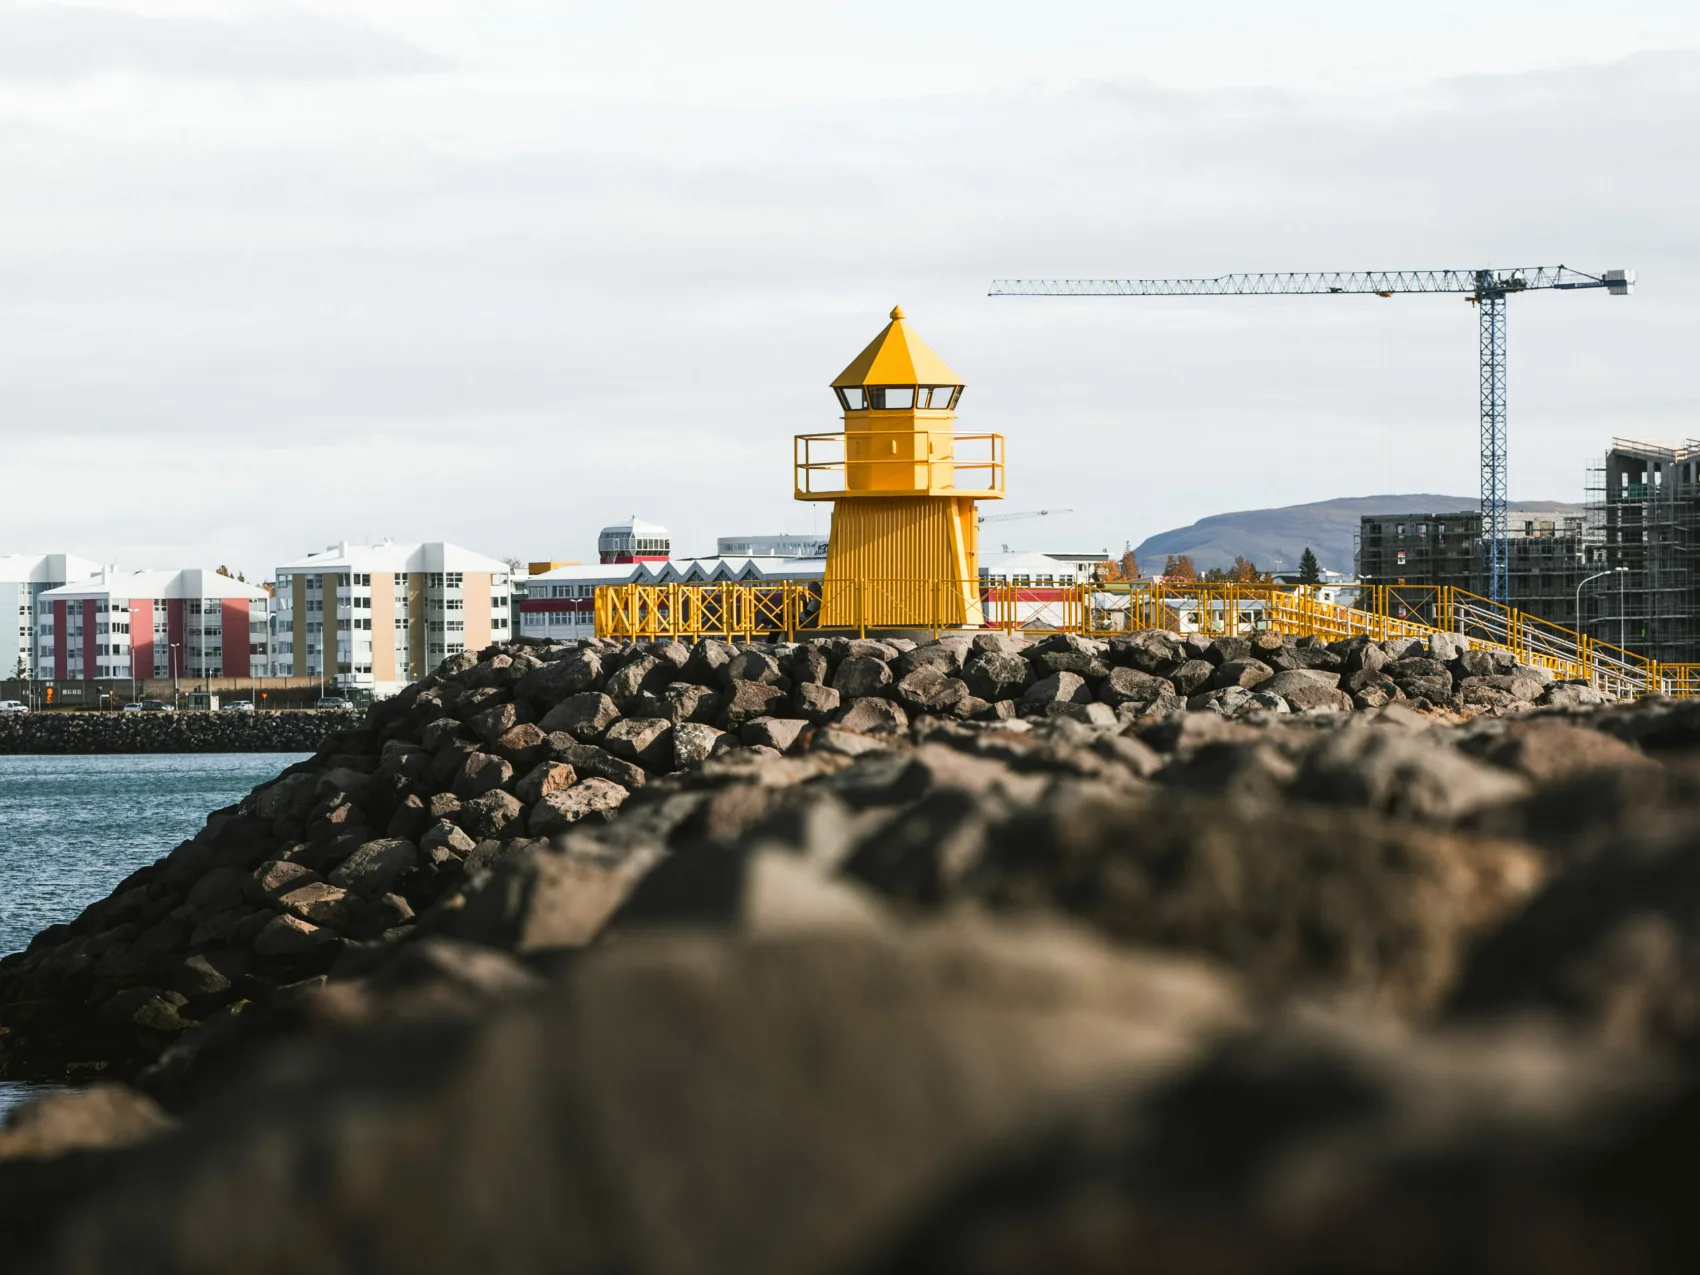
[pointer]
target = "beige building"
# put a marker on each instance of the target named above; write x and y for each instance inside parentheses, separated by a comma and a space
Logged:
(380, 616)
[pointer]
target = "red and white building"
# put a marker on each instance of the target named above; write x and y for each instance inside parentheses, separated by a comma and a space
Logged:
(141, 624)
(634, 541)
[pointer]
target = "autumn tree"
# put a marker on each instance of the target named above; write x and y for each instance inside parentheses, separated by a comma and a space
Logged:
(1129, 566)
(1180, 568)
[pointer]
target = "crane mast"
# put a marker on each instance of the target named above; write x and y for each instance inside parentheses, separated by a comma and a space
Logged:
(1486, 288)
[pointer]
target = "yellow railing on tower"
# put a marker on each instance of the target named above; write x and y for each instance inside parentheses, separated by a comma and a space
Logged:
(897, 462)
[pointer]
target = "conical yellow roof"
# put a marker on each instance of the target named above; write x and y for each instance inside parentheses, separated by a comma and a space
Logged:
(896, 357)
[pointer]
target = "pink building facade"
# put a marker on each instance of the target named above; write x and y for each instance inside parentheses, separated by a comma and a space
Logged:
(140, 624)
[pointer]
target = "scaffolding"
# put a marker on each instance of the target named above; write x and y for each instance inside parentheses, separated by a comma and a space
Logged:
(1546, 556)
(1644, 505)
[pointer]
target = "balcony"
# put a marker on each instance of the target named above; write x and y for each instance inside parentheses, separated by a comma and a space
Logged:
(898, 462)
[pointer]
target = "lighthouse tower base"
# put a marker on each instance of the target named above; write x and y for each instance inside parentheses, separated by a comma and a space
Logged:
(903, 562)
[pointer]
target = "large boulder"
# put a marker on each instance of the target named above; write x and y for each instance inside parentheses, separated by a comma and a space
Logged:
(572, 673)
(373, 868)
(1245, 673)
(860, 675)
(1192, 677)
(746, 701)
(1131, 686)
(692, 743)
(929, 689)
(560, 810)
(993, 675)
(874, 715)
(480, 773)
(815, 702)
(1420, 678)
(1058, 688)
(647, 740)
(584, 716)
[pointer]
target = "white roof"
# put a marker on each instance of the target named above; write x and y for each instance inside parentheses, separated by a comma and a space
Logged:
(686, 571)
(190, 582)
(396, 557)
(586, 573)
(42, 568)
(1026, 564)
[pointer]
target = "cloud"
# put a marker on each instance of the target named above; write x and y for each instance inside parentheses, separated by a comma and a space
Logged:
(71, 42)
(508, 314)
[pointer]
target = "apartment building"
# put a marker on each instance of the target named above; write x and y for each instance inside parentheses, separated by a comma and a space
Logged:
(139, 624)
(24, 577)
(379, 616)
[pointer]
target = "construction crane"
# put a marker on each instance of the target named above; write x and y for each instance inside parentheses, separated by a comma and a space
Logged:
(1027, 513)
(1486, 289)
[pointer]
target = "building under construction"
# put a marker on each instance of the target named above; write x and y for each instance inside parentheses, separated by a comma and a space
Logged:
(1548, 557)
(1642, 515)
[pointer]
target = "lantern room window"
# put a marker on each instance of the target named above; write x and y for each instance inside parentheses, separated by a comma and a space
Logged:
(891, 397)
(857, 398)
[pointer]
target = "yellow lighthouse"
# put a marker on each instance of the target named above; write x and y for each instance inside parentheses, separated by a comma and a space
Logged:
(903, 484)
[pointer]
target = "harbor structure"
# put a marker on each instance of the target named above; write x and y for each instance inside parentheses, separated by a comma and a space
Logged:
(560, 604)
(903, 484)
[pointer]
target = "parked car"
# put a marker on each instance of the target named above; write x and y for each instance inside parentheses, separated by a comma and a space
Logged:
(239, 706)
(155, 706)
(133, 708)
(13, 706)
(334, 701)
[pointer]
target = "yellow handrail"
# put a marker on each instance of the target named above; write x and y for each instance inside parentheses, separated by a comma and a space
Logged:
(791, 609)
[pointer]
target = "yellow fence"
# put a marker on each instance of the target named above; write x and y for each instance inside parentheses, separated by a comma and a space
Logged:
(791, 609)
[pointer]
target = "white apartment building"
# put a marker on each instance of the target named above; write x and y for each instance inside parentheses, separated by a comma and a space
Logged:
(140, 624)
(382, 615)
(24, 577)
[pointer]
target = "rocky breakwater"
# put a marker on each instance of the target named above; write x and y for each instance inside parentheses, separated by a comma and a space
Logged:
(1388, 990)
(168, 732)
(489, 757)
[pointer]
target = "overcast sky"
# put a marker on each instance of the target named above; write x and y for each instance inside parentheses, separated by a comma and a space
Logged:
(502, 273)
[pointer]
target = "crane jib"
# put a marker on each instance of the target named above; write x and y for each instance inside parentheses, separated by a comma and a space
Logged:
(1320, 282)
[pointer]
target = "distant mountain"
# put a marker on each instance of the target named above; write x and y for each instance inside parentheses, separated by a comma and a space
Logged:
(1274, 538)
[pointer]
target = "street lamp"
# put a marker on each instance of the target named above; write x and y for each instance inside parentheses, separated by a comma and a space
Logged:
(176, 695)
(1596, 576)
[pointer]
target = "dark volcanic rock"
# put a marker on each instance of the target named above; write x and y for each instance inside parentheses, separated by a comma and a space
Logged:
(395, 959)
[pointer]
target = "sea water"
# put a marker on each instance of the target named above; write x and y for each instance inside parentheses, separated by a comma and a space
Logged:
(71, 828)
